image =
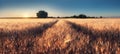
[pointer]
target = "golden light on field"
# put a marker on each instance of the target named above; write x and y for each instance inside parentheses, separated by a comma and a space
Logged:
(47, 35)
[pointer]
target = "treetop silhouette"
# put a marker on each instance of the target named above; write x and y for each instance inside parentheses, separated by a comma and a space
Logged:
(42, 14)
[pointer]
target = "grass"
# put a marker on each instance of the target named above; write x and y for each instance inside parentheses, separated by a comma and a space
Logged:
(60, 36)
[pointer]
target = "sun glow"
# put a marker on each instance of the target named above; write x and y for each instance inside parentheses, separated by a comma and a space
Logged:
(26, 15)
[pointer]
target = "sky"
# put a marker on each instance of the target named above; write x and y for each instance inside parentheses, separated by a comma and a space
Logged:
(29, 8)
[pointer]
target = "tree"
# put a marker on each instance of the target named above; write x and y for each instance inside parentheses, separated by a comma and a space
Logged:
(82, 16)
(101, 17)
(42, 14)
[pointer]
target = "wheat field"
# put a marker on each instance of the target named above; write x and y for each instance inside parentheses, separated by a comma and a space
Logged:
(60, 36)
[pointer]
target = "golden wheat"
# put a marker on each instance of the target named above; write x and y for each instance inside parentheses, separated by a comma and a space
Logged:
(62, 36)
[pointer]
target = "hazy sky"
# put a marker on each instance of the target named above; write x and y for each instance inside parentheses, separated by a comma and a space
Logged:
(25, 8)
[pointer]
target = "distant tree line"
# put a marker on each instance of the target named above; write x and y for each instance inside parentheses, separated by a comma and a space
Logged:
(44, 14)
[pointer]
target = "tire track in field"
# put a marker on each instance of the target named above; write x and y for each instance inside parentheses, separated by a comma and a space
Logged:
(53, 39)
(111, 36)
(38, 30)
(56, 39)
(19, 40)
(114, 34)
